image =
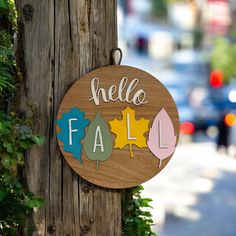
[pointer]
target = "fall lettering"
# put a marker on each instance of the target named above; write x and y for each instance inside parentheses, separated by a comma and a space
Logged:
(71, 130)
(122, 92)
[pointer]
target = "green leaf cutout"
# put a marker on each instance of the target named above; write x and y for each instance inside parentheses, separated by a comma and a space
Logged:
(98, 141)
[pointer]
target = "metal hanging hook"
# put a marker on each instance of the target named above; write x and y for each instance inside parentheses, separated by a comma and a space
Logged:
(116, 54)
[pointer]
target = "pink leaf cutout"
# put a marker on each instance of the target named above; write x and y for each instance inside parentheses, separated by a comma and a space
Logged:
(162, 138)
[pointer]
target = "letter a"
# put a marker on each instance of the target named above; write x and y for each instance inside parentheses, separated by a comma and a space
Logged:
(96, 143)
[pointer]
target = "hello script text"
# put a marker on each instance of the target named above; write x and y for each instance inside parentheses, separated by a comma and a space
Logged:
(123, 92)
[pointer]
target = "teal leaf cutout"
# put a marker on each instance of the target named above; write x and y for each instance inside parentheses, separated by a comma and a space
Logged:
(98, 141)
(78, 124)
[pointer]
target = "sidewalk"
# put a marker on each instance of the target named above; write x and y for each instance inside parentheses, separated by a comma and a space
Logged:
(195, 194)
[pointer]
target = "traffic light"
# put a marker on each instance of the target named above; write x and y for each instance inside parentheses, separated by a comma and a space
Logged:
(216, 79)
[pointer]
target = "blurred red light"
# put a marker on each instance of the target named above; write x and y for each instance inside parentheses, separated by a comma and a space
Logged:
(187, 128)
(216, 79)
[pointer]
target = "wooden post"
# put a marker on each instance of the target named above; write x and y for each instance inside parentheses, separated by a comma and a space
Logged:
(58, 42)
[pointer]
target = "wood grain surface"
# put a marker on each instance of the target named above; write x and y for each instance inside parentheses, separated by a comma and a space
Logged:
(57, 43)
(120, 170)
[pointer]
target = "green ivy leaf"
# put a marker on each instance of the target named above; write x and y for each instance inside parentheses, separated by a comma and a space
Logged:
(3, 4)
(8, 146)
(1, 126)
(6, 162)
(137, 220)
(3, 193)
(39, 140)
(18, 185)
(34, 203)
(25, 144)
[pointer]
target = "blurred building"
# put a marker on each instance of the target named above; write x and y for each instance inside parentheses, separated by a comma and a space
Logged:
(218, 18)
(136, 7)
(182, 15)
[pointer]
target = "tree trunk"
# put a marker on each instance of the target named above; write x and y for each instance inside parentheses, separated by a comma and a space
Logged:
(58, 42)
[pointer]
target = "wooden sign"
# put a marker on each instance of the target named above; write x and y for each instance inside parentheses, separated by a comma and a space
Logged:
(117, 126)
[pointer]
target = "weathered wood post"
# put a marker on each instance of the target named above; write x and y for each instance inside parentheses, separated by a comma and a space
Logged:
(58, 42)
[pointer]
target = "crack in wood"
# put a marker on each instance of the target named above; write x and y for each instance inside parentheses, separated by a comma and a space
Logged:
(51, 229)
(28, 12)
(70, 24)
(85, 229)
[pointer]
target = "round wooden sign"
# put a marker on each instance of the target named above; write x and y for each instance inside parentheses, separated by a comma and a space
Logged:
(117, 126)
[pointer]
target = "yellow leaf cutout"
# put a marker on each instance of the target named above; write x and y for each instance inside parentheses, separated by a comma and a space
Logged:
(129, 130)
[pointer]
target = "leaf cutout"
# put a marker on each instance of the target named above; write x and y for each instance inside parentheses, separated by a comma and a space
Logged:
(98, 141)
(129, 131)
(162, 138)
(75, 119)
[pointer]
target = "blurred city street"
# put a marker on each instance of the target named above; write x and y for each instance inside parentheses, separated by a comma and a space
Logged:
(190, 47)
(195, 193)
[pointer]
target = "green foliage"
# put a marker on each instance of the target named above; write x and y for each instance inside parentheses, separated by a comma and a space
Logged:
(15, 135)
(136, 218)
(15, 200)
(7, 65)
(160, 7)
(223, 58)
(7, 29)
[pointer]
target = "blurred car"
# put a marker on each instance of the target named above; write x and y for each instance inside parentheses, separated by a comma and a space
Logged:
(192, 65)
(194, 69)
(206, 113)
(170, 77)
(229, 95)
(186, 112)
(196, 110)
(231, 122)
(224, 99)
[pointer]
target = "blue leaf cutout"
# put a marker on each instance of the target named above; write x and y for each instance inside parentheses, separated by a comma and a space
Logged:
(79, 125)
